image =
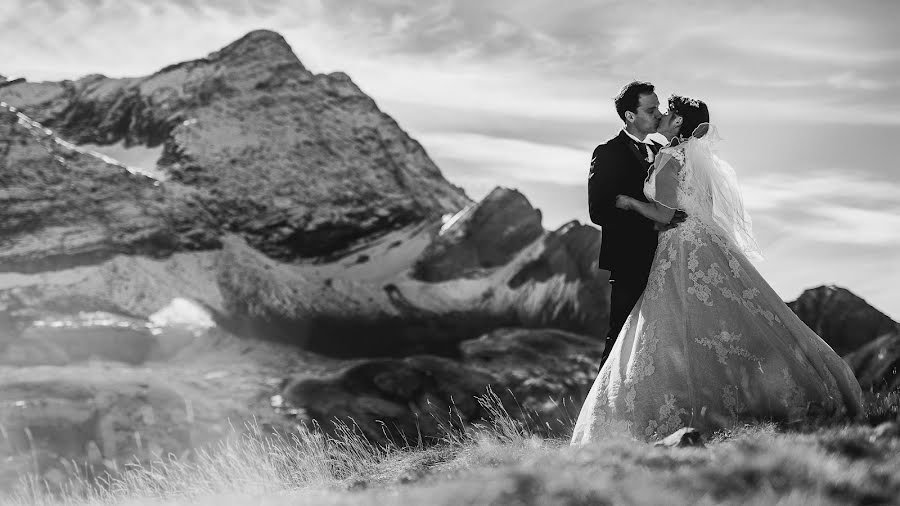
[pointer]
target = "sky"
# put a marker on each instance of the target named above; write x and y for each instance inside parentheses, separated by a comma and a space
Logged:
(517, 93)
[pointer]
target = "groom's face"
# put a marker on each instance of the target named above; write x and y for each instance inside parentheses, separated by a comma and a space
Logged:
(647, 116)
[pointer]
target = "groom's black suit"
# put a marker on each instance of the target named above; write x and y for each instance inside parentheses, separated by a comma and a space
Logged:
(619, 167)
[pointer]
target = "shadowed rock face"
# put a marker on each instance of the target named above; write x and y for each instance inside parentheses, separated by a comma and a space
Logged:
(481, 237)
(544, 372)
(877, 362)
(551, 282)
(845, 321)
(299, 164)
(868, 339)
(64, 207)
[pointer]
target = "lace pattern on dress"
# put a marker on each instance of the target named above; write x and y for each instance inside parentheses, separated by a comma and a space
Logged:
(731, 402)
(792, 397)
(669, 418)
(725, 343)
(704, 280)
(643, 364)
(656, 281)
(677, 152)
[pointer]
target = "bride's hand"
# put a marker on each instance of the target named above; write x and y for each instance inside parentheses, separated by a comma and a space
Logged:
(623, 202)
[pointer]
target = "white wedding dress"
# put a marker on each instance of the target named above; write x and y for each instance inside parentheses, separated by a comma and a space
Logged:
(710, 344)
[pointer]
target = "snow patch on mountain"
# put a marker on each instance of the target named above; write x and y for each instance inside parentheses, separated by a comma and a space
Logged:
(181, 312)
(136, 159)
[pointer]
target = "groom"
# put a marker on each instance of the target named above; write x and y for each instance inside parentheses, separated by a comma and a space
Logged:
(619, 167)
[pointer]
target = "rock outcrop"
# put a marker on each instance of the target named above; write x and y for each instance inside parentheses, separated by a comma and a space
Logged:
(877, 362)
(540, 376)
(868, 339)
(364, 304)
(299, 164)
(845, 321)
(552, 282)
(480, 237)
(65, 206)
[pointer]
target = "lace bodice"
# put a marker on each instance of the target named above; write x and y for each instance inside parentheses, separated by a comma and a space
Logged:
(669, 184)
(692, 177)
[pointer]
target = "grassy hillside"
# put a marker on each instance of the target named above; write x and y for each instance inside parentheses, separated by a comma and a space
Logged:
(503, 461)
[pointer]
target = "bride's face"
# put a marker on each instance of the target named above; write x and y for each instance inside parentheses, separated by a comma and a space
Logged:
(670, 124)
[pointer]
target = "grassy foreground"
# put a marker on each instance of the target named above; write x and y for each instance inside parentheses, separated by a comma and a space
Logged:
(506, 462)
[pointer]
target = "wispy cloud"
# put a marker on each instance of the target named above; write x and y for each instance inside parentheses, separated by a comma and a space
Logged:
(504, 157)
(828, 207)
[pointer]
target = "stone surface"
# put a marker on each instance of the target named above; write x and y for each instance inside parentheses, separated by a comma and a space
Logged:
(845, 321)
(682, 438)
(343, 313)
(876, 363)
(481, 237)
(867, 338)
(65, 207)
(539, 375)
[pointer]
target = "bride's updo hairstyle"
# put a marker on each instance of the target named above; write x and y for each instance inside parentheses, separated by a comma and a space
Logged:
(693, 112)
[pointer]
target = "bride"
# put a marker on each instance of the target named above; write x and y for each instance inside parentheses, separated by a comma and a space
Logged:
(709, 343)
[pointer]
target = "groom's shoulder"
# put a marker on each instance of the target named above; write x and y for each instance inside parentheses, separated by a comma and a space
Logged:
(606, 147)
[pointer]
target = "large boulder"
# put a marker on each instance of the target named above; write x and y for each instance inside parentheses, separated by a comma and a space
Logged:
(876, 363)
(548, 371)
(411, 398)
(539, 376)
(481, 237)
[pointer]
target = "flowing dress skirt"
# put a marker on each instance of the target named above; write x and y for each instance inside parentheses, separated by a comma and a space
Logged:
(710, 345)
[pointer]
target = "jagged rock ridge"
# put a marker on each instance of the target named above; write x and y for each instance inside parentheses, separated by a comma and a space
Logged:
(299, 164)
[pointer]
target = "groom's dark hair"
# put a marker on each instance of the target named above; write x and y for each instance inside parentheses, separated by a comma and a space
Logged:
(630, 97)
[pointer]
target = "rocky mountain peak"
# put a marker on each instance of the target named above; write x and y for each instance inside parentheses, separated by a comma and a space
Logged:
(256, 46)
(844, 320)
(300, 165)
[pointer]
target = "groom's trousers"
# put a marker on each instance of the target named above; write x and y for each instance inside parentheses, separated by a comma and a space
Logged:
(627, 288)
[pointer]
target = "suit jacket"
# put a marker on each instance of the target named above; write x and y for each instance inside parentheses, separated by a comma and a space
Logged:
(628, 241)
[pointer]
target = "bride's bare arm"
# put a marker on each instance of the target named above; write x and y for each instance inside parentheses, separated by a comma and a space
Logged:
(661, 188)
(650, 210)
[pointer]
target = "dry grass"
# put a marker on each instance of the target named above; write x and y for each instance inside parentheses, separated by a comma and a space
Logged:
(505, 461)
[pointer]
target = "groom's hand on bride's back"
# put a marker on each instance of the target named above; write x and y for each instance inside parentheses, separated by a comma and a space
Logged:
(677, 219)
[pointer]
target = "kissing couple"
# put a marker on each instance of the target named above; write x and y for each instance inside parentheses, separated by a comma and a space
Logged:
(697, 337)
